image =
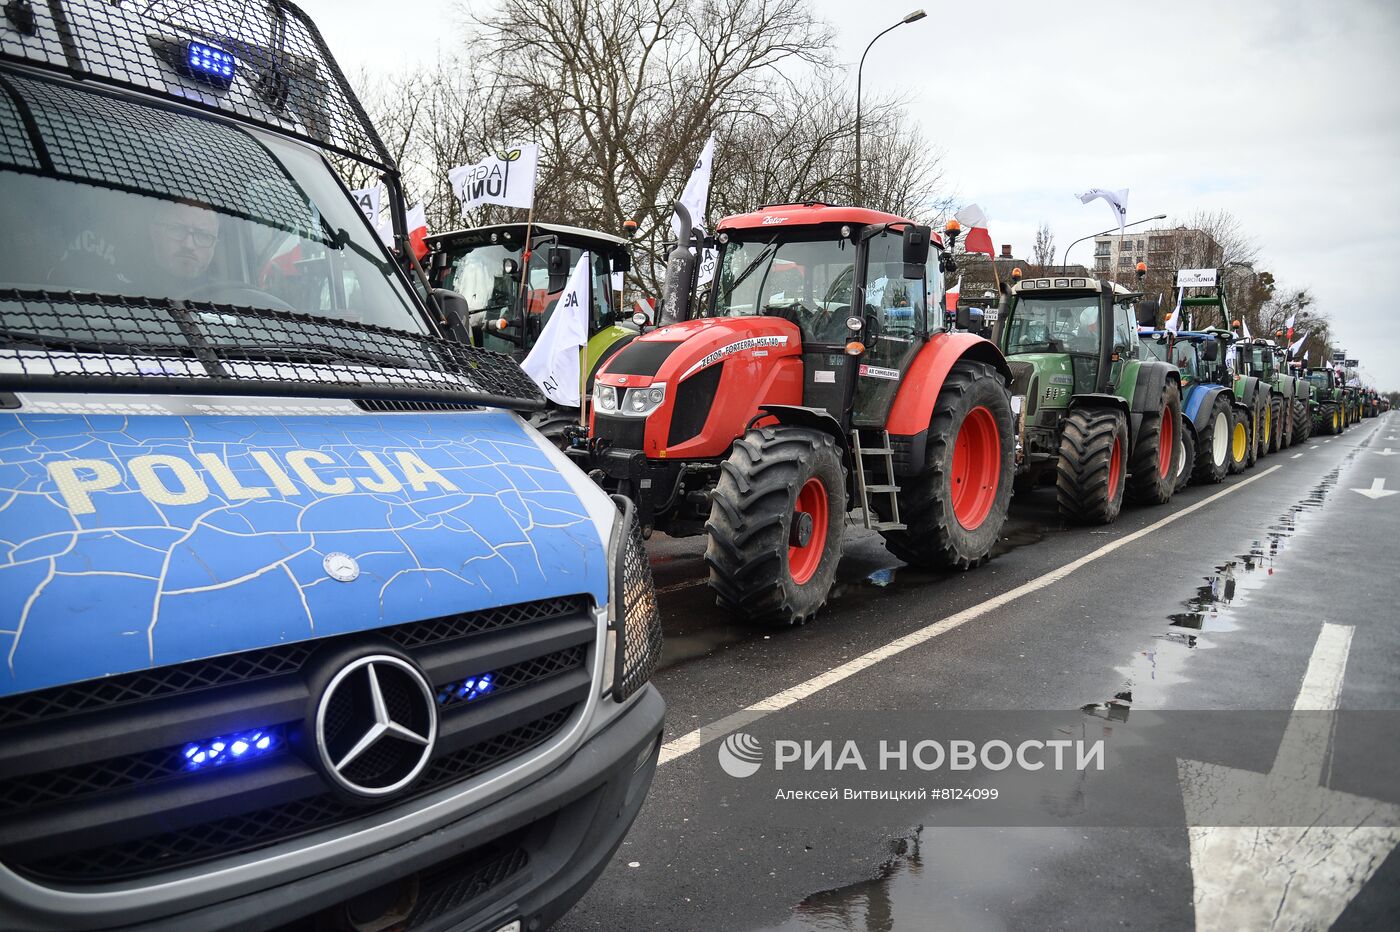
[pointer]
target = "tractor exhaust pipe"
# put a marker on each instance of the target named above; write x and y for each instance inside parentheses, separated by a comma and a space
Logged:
(682, 268)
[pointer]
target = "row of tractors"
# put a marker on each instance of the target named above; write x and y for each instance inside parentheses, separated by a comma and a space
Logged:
(821, 382)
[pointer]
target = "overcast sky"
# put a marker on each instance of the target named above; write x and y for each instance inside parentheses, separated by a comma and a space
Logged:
(1283, 113)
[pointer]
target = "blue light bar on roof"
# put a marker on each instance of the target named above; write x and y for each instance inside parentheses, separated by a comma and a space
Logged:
(210, 63)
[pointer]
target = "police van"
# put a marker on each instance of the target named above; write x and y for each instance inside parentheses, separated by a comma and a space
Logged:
(301, 626)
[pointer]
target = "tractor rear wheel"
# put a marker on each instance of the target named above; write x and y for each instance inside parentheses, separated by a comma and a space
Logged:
(1093, 466)
(1276, 438)
(1302, 423)
(1213, 451)
(1186, 460)
(954, 509)
(775, 524)
(1241, 438)
(1153, 468)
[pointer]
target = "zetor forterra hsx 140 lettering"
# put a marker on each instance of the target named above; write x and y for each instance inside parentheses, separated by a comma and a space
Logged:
(301, 624)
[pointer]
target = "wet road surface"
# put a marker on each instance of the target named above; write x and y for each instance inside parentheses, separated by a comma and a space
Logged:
(1219, 609)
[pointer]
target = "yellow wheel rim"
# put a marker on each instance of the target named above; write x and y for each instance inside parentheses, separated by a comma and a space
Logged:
(1239, 439)
(1268, 425)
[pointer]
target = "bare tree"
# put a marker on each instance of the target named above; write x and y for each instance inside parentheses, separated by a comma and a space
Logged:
(1043, 253)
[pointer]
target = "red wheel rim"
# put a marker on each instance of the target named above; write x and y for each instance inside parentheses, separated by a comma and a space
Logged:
(1166, 442)
(811, 500)
(1115, 468)
(976, 469)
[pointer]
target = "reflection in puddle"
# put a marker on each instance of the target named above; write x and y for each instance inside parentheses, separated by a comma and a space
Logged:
(1214, 609)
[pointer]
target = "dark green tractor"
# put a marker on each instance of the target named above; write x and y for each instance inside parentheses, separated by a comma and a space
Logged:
(1326, 401)
(1262, 358)
(1094, 417)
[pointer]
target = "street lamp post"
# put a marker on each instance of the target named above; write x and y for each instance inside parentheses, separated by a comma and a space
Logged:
(1064, 260)
(913, 17)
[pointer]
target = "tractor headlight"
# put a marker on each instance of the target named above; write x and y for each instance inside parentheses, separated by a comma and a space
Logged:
(634, 620)
(639, 402)
(604, 397)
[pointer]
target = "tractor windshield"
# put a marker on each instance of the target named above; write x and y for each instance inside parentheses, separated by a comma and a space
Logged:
(1185, 356)
(1061, 324)
(489, 278)
(134, 203)
(807, 281)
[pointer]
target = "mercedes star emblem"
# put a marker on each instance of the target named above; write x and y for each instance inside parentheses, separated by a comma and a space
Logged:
(376, 725)
(341, 567)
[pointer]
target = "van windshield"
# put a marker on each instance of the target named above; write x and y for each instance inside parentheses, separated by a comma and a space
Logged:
(107, 196)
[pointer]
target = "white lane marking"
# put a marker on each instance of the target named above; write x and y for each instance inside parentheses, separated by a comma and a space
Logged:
(1377, 490)
(1295, 456)
(1386, 452)
(703, 735)
(1288, 877)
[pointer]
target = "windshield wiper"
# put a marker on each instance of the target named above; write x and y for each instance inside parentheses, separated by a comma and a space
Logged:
(768, 250)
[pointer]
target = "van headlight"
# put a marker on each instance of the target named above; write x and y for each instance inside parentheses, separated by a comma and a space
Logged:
(634, 618)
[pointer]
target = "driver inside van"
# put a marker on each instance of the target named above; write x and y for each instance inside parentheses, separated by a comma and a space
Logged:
(166, 257)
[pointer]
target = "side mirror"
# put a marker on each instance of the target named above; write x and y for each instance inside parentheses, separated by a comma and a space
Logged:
(963, 317)
(622, 262)
(454, 313)
(1211, 351)
(558, 268)
(438, 261)
(916, 246)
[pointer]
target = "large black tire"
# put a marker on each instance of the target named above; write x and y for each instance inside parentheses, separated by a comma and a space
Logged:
(1243, 419)
(1153, 467)
(967, 469)
(1328, 419)
(1213, 450)
(1093, 466)
(1277, 437)
(554, 424)
(1302, 421)
(1186, 458)
(1257, 447)
(755, 531)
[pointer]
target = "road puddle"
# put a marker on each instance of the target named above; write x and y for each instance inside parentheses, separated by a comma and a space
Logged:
(1215, 609)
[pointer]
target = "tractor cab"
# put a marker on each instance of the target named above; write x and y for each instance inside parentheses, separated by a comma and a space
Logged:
(820, 384)
(511, 290)
(1257, 357)
(1088, 323)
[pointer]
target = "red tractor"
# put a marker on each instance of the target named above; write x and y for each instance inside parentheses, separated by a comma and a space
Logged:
(822, 378)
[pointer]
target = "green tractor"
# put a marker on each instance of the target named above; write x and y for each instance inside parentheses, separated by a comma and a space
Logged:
(511, 291)
(1094, 417)
(1263, 359)
(1302, 400)
(1326, 400)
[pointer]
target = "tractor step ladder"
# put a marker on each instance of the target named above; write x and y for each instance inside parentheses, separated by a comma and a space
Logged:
(875, 457)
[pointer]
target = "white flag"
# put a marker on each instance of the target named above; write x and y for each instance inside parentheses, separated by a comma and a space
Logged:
(696, 195)
(709, 258)
(971, 217)
(1298, 344)
(1289, 322)
(1244, 326)
(1173, 324)
(1305, 359)
(506, 178)
(553, 362)
(371, 201)
(1116, 200)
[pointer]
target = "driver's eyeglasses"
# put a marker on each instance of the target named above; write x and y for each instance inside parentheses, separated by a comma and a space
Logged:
(179, 232)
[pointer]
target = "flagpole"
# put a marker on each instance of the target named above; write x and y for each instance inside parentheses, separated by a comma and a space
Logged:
(587, 257)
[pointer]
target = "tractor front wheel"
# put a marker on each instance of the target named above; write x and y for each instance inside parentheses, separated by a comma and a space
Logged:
(775, 525)
(1258, 416)
(1093, 466)
(1276, 438)
(954, 509)
(1186, 460)
(1241, 438)
(554, 423)
(1302, 423)
(1152, 471)
(1213, 452)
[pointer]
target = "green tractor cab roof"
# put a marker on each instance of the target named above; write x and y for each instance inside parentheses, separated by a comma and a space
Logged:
(1074, 283)
(515, 232)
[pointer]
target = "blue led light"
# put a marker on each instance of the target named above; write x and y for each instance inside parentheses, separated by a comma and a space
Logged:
(473, 687)
(210, 63)
(242, 746)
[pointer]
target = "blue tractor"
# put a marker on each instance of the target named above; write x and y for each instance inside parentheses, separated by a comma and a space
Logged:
(1208, 414)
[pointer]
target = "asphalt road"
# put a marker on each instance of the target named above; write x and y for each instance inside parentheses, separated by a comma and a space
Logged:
(1229, 606)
